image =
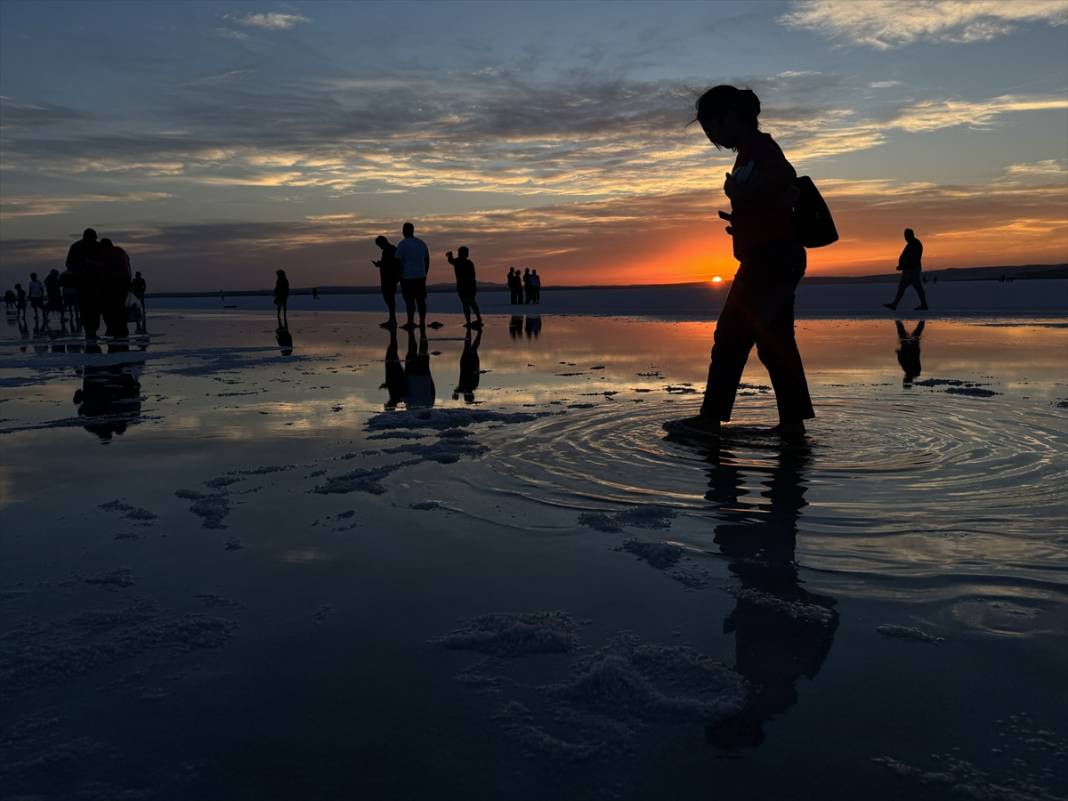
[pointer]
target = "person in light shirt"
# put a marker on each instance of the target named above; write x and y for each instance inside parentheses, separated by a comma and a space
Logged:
(414, 258)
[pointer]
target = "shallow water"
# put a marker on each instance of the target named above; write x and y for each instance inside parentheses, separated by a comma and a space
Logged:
(233, 567)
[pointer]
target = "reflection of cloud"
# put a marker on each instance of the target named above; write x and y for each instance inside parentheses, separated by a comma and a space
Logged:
(271, 20)
(885, 24)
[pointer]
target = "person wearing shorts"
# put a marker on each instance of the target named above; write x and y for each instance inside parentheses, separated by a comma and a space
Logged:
(414, 258)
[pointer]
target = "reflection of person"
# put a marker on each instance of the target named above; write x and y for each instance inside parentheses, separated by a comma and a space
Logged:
(284, 340)
(781, 630)
(111, 395)
(911, 271)
(419, 384)
(281, 298)
(533, 326)
(466, 285)
(470, 369)
(515, 326)
(908, 351)
(395, 383)
(759, 308)
(414, 258)
(389, 277)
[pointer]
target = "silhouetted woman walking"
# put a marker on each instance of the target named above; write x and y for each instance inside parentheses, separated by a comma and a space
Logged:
(281, 297)
(760, 307)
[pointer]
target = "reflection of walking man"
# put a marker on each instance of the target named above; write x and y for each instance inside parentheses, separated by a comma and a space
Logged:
(909, 265)
(908, 352)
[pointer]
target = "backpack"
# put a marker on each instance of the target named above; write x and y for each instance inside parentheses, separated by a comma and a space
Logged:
(812, 219)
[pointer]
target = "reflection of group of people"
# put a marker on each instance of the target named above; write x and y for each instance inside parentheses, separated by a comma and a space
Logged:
(523, 288)
(96, 283)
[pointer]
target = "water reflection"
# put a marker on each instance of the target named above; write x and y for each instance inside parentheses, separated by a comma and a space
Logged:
(515, 326)
(533, 326)
(110, 395)
(284, 340)
(781, 631)
(470, 368)
(419, 390)
(908, 351)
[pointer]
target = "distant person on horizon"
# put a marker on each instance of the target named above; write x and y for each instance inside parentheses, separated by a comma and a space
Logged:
(388, 278)
(526, 286)
(759, 308)
(83, 261)
(515, 286)
(908, 352)
(315, 293)
(414, 258)
(37, 294)
(69, 292)
(139, 286)
(281, 298)
(20, 301)
(53, 296)
(909, 265)
(466, 285)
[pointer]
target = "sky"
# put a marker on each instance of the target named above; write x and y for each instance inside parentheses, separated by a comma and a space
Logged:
(218, 142)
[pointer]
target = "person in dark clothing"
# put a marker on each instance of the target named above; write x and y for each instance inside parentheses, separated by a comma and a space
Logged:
(9, 302)
(908, 351)
(37, 297)
(470, 369)
(114, 288)
(525, 286)
(515, 286)
(281, 298)
(909, 265)
(53, 296)
(535, 286)
(83, 262)
(759, 308)
(315, 293)
(389, 278)
(466, 286)
(69, 293)
(396, 384)
(20, 301)
(139, 286)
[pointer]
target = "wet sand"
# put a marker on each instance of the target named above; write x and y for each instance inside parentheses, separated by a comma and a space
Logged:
(348, 570)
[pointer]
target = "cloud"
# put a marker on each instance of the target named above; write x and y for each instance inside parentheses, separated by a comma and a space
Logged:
(44, 205)
(229, 33)
(887, 24)
(1047, 168)
(269, 20)
(932, 115)
(14, 114)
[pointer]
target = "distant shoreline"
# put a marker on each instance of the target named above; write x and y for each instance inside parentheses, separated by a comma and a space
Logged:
(1026, 272)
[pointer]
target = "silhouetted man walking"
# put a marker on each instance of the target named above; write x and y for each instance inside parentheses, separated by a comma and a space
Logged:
(909, 265)
(83, 262)
(414, 258)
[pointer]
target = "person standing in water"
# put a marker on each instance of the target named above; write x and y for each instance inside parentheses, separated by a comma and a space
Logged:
(281, 298)
(139, 286)
(414, 258)
(911, 271)
(389, 277)
(759, 308)
(37, 295)
(466, 285)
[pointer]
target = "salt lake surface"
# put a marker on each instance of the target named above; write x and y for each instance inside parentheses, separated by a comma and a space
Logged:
(362, 568)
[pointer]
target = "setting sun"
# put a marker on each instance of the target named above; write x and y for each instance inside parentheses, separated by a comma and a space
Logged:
(717, 280)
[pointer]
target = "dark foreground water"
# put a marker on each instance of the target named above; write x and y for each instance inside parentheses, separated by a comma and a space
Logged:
(233, 567)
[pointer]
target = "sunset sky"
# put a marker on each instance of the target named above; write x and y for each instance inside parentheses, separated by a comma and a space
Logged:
(220, 141)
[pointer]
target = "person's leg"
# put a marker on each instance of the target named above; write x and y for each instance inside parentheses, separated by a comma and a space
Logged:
(902, 285)
(733, 339)
(777, 349)
(478, 312)
(467, 310)
(409, 302)
(919, 291)
(421, 300)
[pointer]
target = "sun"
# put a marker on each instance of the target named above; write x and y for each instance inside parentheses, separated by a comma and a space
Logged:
(717, 280)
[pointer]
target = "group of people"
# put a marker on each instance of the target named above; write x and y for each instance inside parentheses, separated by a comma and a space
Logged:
(524, 288)
(96, 284)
